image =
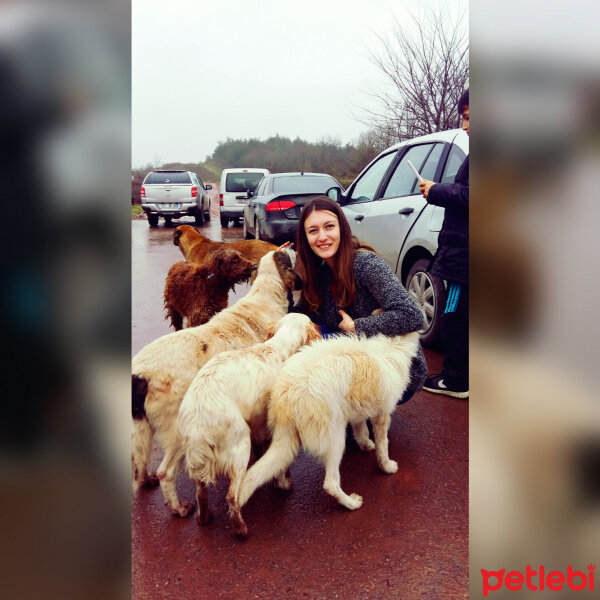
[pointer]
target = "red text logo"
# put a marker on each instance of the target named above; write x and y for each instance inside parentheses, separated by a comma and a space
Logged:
(538, 580)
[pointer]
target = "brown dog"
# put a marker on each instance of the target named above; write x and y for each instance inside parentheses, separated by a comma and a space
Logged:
(200, 291)
(196, 248)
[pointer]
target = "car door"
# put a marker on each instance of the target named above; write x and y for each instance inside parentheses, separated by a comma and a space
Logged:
(360, 196)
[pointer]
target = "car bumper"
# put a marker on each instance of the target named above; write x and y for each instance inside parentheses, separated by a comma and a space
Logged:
(278, 230)
(170, 210)
(232, 212)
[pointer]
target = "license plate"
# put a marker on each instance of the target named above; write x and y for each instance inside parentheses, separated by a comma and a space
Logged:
(171, 205)
(244, 201)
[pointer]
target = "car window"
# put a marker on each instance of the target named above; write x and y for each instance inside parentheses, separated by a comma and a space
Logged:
(455, 159)
(404, 182)
(302, 184)
(168, 177)
(366, 186)
(241, 182)
(431, 164)
(260, 188)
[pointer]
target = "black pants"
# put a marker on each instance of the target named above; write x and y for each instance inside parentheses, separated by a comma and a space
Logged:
(455, 335)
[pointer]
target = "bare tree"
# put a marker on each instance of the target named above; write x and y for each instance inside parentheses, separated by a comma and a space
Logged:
(426, 64)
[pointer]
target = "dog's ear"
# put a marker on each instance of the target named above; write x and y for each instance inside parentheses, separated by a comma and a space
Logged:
(270, 331)
(253, 274)
(288, 275)
(312, 333)
(176, 236)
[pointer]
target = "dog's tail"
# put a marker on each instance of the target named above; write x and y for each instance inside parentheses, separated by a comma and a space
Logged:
(277, 458)
(139, 389)
(141, 435)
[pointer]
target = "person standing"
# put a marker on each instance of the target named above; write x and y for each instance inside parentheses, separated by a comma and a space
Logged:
(451, 263)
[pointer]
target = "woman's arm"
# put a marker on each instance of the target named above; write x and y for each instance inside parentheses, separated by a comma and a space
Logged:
(400, 313)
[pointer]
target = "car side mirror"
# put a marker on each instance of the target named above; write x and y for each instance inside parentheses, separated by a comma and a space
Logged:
(208, 187)
(335, 193)
(250, 193)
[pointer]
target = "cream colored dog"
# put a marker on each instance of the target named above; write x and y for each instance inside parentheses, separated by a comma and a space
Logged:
(323, 388)
(163, 370)
(226, 406)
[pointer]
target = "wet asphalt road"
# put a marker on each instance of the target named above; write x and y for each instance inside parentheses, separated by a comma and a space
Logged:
(408, 541)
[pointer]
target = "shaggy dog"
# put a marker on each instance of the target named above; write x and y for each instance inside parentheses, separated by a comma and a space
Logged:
(200, 291)
(220, 415)
(196, 248)
(163, 370)
(331, 383)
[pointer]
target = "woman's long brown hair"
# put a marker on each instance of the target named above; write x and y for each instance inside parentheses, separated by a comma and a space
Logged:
(343, 274)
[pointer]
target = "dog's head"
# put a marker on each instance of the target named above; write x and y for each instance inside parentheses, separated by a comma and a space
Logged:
(185, 234)
(230, 265)
(284, 261)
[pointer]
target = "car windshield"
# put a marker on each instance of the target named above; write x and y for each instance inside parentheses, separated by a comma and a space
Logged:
(241, 182)
(168, 177)
(302, 184)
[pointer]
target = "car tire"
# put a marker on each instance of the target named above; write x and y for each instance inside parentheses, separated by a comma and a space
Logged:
(153, 220)
(429, 293)
(247, 234)
(207, 215)
(256, 230)
(199, 217)
(168, 221)
(224, 222)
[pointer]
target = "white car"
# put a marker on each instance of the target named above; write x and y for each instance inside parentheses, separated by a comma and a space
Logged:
(386, 210)
(172, 194)
(233, 192)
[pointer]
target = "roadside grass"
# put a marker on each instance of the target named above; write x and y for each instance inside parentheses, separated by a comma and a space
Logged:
(136, 210)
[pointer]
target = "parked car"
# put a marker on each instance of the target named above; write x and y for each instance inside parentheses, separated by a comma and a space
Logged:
(233, 193)
(272, 211)
(172, 194)
(386, 210)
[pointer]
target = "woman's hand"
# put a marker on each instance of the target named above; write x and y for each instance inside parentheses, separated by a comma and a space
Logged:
(347, 323)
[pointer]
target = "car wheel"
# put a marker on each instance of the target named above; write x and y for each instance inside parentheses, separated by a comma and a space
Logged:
(256, 230)
(247, 234)
(168, 221)
(153, 220)
(199, 217)
(428, 292)
(207, 214)
(224, 221)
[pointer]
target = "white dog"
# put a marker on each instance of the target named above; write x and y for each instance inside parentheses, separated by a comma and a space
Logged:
(226, 405)
(323, 388)
(163, 370)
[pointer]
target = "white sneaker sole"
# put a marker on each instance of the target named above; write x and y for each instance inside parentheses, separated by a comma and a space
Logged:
(447, 392)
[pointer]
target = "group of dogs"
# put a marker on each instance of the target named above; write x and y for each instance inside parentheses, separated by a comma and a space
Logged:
(239, 376)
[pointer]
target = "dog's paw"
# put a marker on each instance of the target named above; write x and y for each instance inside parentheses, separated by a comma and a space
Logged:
(367, 445)
(355, 501)
(185, 509)
(389, 466)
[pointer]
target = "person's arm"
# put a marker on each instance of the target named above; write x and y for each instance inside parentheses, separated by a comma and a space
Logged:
(400, 314)
(449, 195)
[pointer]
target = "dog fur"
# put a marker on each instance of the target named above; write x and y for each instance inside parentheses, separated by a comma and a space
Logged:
(196, 248)
(219, 417)
(198, 292)
(163, 370)
(333, 382)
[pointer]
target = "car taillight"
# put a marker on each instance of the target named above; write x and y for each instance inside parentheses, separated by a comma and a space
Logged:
(194, 192)
(220, 196)
(143, 192)
(221, 200)
(279, 205)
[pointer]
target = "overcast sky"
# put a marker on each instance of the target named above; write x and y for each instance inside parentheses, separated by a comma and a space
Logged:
(205, 71)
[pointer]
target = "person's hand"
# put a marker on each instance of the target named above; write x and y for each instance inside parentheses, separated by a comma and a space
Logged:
(425, 186)
(347, 323)
(285, 245)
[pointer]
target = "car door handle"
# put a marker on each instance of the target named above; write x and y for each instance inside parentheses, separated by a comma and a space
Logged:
(406, 211)
(359, 217)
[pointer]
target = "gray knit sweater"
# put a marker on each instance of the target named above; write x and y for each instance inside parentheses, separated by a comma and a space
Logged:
(376, 287)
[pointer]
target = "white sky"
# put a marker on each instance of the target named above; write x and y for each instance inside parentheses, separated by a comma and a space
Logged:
(204, 71)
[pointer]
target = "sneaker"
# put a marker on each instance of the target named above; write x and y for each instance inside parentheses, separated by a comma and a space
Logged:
(436, 385)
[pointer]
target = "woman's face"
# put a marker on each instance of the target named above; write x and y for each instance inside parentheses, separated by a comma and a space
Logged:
(322, 229)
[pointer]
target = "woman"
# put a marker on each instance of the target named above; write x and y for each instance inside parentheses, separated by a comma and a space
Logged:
(346, 282)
